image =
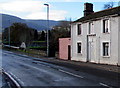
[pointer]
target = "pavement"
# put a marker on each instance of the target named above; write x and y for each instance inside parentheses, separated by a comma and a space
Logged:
(102, 74)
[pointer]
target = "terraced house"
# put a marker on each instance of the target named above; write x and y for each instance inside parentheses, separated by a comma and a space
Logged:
(95, 37)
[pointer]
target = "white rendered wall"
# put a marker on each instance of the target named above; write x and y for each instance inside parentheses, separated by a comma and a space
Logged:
(111, 37)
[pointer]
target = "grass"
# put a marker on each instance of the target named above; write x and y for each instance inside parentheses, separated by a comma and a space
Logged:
(33, 52)
(28, 51)
(38, 41)
(6, 42)
(37, 47)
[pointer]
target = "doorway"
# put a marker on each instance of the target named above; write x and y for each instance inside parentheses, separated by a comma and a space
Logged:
(69, 52)
(91, 49)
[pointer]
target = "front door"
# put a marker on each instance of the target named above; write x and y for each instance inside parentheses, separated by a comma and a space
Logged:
(91, 49)
(69, 52)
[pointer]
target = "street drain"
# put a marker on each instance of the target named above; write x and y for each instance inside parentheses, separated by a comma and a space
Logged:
(34, 62)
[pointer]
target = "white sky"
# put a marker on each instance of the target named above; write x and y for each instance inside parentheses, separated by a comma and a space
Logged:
(30, 9)
(35, 9)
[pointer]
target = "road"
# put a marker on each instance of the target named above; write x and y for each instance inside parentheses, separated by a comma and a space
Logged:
(31, 73)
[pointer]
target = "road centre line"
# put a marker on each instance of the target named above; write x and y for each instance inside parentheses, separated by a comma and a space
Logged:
(62, 71)
(70, 73)
(59, 70)
(105, 85)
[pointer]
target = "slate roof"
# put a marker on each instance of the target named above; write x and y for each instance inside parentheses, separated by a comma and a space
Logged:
(112, 11)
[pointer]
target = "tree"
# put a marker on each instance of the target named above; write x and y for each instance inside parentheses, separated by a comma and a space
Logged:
(19, 32)
(5, 35)
(108, 5)
(42, 36)
(35, 35)
(60, 31)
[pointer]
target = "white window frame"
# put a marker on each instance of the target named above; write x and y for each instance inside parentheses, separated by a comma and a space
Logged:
(104, 24)
(91, 28)
(108, 49)
(77, 48)
(77, 29)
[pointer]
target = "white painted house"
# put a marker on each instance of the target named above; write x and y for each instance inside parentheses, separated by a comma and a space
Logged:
(96, 36)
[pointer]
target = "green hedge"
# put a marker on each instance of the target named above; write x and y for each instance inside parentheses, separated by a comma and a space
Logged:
(38, 41)
(38, 47)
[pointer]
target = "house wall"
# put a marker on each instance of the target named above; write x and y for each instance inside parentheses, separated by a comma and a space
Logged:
(119, 41)
(63, 48)
(98, 40)
(112, 38)
(78, 38)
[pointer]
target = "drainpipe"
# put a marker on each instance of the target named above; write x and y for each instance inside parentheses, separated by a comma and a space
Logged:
(99, 49)
(87, 49)
(119, 39)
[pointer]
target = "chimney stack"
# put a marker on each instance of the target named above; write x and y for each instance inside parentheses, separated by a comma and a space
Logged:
(88, 9)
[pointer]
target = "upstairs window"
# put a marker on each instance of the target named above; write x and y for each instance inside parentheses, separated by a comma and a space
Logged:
(106, 49)
(91, 28)
(105, 26)
(79, 30)
(79, 48)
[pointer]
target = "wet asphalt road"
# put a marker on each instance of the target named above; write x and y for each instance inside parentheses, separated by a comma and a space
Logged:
(38, 74)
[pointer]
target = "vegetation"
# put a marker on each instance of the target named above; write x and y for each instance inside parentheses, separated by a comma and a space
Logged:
(38, 41)
(60, 31)
(108, 5)
(42, 36)
(19, 32)
(38, 47)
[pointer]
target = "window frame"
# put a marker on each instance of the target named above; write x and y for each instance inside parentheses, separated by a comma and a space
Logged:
(104, 28)
(91, 28)
(79, 29)
(104, 50)
(79, 49)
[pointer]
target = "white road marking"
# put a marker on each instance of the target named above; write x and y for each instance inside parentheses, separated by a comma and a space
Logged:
(105, 85)
(21, 82)
(71, 73)
(33, 67)
(58, 70)
(13, 80)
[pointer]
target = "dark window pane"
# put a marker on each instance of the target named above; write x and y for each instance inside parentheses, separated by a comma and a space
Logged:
(103, 26)
(79, 47)
(79, 29)
(105, 49)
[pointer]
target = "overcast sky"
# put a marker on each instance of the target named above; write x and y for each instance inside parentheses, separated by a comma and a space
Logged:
(59, 9)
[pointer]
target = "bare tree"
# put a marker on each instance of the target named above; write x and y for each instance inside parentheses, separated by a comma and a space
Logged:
(108, 5)
(119, 3)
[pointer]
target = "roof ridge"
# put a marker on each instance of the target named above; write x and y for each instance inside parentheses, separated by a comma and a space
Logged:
(102, 13)
(107, 9)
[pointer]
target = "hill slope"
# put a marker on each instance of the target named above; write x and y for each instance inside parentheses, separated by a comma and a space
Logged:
(7, 20)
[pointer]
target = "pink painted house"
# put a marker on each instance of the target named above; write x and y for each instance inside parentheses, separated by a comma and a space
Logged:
(64, 48)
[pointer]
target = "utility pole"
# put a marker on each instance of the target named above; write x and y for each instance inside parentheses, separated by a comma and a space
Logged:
(48, 28)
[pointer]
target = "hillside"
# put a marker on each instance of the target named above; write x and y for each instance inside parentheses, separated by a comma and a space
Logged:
(7, 20)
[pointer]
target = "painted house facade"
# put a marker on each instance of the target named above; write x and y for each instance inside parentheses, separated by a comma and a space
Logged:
(65, 48)
(96, 36)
